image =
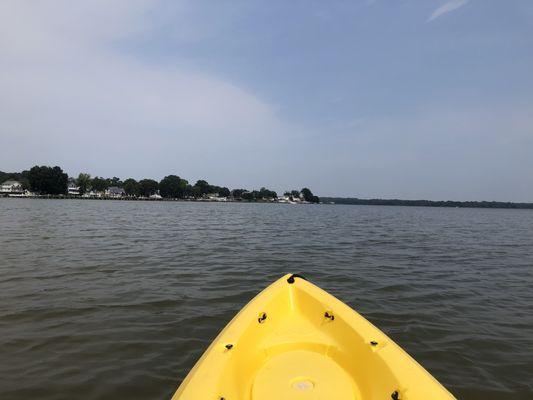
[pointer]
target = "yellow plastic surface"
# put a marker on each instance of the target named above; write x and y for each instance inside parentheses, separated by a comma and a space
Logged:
(298, 352)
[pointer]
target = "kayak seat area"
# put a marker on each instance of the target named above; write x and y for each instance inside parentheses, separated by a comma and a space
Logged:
(303, 374)
(297, 364)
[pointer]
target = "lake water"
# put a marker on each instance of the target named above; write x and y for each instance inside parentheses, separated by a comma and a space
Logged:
(117, 299)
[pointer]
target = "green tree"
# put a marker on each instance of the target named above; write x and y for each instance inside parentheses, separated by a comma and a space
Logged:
(196, 191)
(172, 186)
(214, 189)
(224, 192)
(99, 184)
(24, 179)
(308, 196)
(148, 187)
(48, 180)
(203, 186)
(247, 196)
(264, 193)
(131, 187)
(237, 193)
(115, 181)
(188, 191)
(84, 182)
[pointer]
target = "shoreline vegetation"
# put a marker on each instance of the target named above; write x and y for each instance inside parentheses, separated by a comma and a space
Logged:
(52, 182)
(425, 203)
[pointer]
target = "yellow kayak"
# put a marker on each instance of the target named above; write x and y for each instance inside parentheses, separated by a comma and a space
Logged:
(296, 341)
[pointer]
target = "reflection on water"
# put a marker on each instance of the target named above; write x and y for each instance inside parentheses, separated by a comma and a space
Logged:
(104, 299)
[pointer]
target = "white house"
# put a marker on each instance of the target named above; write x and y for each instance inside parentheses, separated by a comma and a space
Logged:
(215, 197)
(73, 190)
(11, 187)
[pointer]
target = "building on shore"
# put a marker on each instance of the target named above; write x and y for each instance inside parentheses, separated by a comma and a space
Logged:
(115, 191)
(73, 190)
(215, 197)
(11, 187)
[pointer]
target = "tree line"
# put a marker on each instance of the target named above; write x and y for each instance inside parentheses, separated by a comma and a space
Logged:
(426, 203)
(47, 180)
(305, 193)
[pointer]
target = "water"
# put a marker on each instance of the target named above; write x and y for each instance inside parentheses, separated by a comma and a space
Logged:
(117, 300)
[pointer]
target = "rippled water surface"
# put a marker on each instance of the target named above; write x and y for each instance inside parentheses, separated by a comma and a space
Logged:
(117, 300)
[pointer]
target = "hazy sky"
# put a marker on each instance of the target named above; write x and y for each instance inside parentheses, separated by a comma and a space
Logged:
(385, 98)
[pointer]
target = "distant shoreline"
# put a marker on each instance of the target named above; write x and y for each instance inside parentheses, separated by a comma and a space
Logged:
(324, 200)
(426, 203)
(51, 182)
(126, 198)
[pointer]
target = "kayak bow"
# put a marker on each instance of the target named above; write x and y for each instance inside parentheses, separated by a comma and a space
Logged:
(296, 341)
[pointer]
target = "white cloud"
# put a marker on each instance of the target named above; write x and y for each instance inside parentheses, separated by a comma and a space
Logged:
(69, 97)
(446, 8)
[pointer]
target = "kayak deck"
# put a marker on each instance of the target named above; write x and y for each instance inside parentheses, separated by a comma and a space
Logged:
(295, 341)
(303, 373)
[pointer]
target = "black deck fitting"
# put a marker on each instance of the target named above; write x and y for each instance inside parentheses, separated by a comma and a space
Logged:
(290, 279)
(262, 318)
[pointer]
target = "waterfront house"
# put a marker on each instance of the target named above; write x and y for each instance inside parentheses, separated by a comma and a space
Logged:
(115, 191)
(11, 186)
(216, 197)
(73, 190)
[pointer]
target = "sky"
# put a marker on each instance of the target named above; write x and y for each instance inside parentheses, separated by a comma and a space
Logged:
(412, 99)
